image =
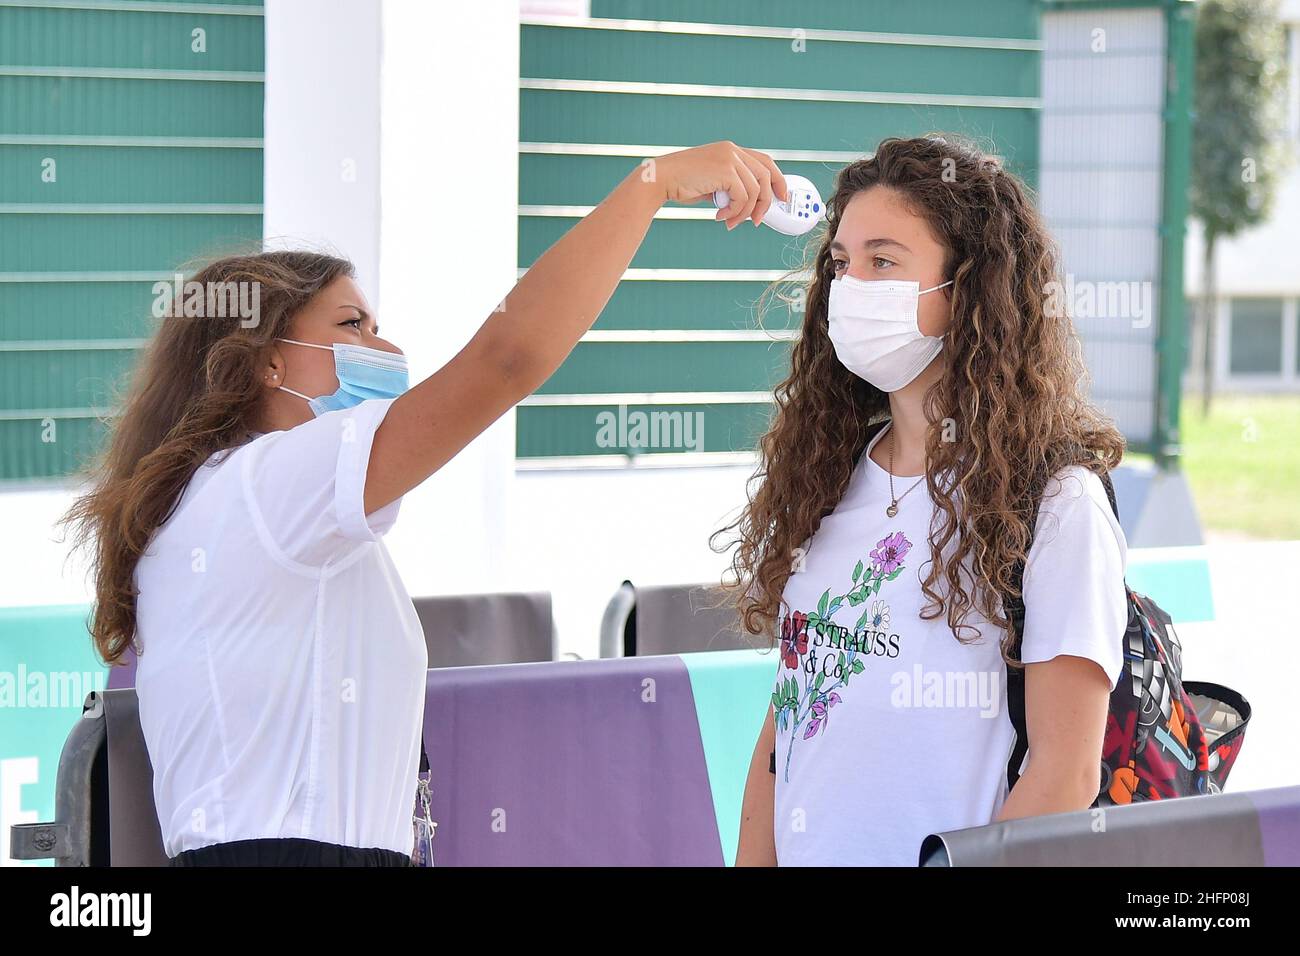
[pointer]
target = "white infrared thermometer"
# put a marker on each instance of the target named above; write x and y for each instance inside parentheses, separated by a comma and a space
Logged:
(793, 218)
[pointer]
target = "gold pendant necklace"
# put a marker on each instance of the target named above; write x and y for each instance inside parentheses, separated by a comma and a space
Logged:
(892, 510)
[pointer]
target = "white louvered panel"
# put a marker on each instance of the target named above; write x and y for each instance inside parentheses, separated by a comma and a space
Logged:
(1109, 252)
(1122, 368)
(1127, 31)
(1099, 139)
(1101, 149)
(1109, 81)
(1138, 327)
(1101, 195)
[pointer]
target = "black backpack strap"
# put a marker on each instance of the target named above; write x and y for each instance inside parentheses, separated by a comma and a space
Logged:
(1014, 607)
(1015, 611)
(1110, 493)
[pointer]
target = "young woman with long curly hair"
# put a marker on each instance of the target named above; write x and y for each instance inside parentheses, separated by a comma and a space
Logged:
(936, 393)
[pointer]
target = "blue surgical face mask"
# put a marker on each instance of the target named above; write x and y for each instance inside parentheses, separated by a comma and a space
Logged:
(363, 373)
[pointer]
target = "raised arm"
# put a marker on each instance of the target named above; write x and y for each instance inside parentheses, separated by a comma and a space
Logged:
(547, 312)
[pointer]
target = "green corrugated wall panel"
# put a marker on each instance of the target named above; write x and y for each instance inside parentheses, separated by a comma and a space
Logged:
(651, 304)
(576, 429)
(133, 174)
(116, 107)
(39, 449)
(66, 378)
(40, 311)
(597, 367)
(680, 244)
(1005, 18)
(551, 116)
(549, 179)
(618, 55)
(101, 243)
(123, 39)
(956, 67)
(125, 148)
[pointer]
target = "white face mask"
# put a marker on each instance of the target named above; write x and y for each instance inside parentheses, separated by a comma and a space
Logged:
(874, 330)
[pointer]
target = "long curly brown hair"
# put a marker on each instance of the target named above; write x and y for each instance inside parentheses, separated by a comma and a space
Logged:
(1013, 385)
(197, 389)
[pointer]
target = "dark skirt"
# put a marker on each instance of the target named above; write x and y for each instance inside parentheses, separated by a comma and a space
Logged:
(288, 851)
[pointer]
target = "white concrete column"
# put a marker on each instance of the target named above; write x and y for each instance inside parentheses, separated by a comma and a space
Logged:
(321, 130)
(448, 254)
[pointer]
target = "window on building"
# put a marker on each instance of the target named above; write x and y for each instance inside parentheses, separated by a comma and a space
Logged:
(1255, 337)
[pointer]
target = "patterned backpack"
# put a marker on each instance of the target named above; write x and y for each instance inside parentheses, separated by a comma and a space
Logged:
(1165, 737)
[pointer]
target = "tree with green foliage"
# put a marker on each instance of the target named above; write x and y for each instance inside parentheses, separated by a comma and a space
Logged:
(1239, 144)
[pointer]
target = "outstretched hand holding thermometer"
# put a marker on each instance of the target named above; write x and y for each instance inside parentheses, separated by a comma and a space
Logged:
(756, 183)
(796, 215)
(526, 338)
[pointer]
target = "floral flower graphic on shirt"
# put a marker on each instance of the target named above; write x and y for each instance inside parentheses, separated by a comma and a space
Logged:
(808, 702)
(888, 554)
(879, 615)
(794, 639)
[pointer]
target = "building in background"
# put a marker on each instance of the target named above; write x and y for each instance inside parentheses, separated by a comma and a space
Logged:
(443, 148)
(1257, 323)
(351, 122)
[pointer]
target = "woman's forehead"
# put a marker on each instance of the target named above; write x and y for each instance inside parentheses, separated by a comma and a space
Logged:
(338, 294)
(880, 214)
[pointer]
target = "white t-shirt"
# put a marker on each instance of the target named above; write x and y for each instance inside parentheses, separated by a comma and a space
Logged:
(282, 666)
(907, 732)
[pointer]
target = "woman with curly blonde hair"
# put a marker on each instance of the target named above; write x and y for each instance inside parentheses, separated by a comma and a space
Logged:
(933, 434)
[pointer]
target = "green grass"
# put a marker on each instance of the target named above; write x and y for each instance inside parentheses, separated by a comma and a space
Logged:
(1243, 464)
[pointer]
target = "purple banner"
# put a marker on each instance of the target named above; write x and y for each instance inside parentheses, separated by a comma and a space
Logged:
(583, 763)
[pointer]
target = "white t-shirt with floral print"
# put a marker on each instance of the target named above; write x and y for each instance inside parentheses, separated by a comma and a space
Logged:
(888, 728)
